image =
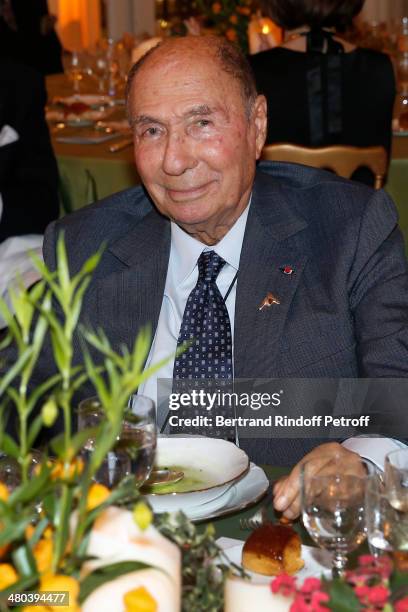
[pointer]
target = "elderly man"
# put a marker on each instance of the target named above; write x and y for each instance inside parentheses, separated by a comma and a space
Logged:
(221, 235)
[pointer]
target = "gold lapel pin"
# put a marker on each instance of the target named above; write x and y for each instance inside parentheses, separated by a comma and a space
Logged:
(268, 300)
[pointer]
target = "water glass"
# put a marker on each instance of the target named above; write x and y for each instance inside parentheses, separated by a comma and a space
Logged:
(396, 479)
(135, 447)
(379, 516)
(333, 508)
(396, 490)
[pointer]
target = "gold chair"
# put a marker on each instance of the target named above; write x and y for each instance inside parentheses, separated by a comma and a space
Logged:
(343, 160)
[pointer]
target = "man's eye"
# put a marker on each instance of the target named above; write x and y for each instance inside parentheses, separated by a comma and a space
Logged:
(203, 122)
(151, 131)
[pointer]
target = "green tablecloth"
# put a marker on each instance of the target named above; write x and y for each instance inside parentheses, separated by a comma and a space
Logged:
(229, 526)
(90, 172)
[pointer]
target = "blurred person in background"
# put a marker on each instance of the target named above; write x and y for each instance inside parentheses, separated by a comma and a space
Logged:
(28, 174)
(28, 168)
(27, 34)
(322, 90)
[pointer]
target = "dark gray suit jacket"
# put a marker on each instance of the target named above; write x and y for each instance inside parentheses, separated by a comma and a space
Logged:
(342, 313)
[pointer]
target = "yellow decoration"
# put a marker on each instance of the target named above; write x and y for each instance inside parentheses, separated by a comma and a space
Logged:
(234, 18)
(49, 412)
(55, 583)
(69, 471)
(42, 552)
(97, 494)
(4, 494)
(8, 575)
(139, 600)
(142, 515)
(216, 8)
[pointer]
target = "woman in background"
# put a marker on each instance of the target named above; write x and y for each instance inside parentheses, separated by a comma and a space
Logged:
(322, 90)
(27, 35)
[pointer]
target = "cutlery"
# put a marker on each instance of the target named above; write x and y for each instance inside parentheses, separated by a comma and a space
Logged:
(164, 476)
(261, 515)
(119, 146)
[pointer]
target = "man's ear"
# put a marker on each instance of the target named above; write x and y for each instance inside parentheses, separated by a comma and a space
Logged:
(260, 119)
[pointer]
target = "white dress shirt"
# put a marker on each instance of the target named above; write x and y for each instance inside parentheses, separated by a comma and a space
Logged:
(182, 275)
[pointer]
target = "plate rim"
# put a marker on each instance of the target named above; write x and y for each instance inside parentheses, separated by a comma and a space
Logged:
(239, 507)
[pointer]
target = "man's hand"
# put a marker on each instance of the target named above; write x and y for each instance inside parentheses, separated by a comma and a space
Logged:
(286, 491)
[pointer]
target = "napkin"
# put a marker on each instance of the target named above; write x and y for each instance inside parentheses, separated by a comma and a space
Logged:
(8, 135)
(16, 265)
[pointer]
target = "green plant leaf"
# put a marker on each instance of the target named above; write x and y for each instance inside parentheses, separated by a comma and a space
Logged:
(8, 445)
(107, 573)
(29, 491)
(34, 430)
(342, 597)
(18, 587)
(38, 532)
(15, 369)
(14, 529)
(24, 561)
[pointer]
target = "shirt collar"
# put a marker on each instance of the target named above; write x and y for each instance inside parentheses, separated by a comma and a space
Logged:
(185, 250)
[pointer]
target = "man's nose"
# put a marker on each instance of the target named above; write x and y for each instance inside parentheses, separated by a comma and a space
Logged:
(178, 155)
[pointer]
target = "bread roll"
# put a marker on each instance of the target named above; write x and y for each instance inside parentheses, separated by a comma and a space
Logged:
(272, 550)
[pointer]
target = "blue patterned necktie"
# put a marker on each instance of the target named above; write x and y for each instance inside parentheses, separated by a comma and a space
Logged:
(208, 359)
(206, 323)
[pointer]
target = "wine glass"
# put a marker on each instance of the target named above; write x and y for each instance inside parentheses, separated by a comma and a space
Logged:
(396, 490)
(134, 450)
(333, 508)
(379, 516)
(75, 69)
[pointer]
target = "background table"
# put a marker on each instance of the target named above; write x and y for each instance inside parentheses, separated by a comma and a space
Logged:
(91, 172)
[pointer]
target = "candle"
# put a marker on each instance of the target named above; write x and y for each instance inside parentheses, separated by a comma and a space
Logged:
(247, 596)
(115, 537)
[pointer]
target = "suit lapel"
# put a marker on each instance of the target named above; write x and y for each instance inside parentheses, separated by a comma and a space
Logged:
(268, 246)
(131, 297)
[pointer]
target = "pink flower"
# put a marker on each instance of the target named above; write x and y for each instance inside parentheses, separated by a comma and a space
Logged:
(378, 595)
(401, 605)
(319, 598)
(310, 585)
(284, 584)
(300, 605)
(365, 560)
(313, 604)
(362, 592)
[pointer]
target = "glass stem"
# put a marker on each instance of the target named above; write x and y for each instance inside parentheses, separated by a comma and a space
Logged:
(339, 565)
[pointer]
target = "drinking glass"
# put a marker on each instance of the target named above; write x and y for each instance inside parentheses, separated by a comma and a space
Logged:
(396, 490)
(396, 479)
(134, 450)
(74, 68)
(379, 516)
(333, 508)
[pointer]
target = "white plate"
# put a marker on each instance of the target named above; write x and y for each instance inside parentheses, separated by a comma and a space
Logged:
(91, 100)
(244, 493)
(216, 464)
(317, 563)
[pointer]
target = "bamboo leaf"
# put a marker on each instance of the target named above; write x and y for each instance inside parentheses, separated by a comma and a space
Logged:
(24, 561)
(29, 491)
(62, 268)
(15, 369)
(14, 530)
(107, 573)
(8, 446)
(34, 430)
(42, 390)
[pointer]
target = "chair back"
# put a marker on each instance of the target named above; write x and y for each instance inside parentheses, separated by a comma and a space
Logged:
(343, 160)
